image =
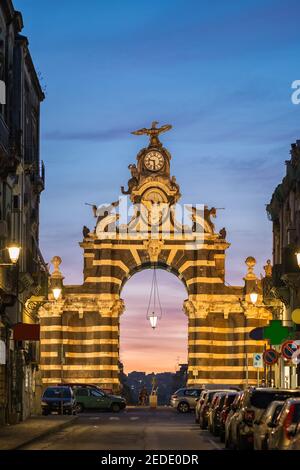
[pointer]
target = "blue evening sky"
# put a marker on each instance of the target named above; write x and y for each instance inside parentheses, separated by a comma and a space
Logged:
(219, 71)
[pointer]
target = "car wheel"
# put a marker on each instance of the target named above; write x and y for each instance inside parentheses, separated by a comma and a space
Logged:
(202, 424)
(183, 407)
(240, 443)
(79, 408)
(45, 413)
(115, 407)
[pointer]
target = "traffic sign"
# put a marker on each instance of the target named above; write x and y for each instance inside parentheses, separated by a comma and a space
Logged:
(296, 316)
(288, 348)
(257, 333)
(270, 357)
(258, 360)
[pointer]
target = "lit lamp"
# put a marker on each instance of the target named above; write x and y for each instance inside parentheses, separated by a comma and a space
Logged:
(56, 278)
(56, 291)
(298, 257)
(153, 320)
(154, 303)
(253, 297)
(14, 253)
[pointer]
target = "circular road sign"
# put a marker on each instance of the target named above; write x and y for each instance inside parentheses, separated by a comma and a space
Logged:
(270, 356)
(288, 348)
(296, 316)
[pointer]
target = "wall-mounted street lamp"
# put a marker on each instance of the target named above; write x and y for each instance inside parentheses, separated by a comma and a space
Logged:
(14, 252)
(298, 257)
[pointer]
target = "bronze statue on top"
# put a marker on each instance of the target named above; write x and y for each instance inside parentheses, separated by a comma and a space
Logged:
(153, 133)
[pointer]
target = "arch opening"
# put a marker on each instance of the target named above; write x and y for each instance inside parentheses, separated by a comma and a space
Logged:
(145, 352)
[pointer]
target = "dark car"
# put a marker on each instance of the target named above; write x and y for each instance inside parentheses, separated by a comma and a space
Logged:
(199, 403)
(60, 400)
(295, 442)
(204, 409)
(229, 398)
(253, 404)
(263, 427)
(94, 398)
(213, 417)
(285, 427)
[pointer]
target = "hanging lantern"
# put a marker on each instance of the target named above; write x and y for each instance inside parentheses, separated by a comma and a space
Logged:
(154, 311)
(153, 320)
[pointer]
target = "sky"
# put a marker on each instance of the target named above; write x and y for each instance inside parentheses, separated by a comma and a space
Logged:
(219, 72)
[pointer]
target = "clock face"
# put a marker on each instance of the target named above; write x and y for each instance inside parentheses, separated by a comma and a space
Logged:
(154, 161)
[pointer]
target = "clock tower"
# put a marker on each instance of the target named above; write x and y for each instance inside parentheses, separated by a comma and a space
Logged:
(151, 180)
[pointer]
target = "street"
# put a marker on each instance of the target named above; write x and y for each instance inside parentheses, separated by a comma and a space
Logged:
(131, 429)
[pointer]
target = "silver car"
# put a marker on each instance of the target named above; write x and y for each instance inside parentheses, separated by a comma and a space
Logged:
(185, 399)
(285, 427)
(262, 427)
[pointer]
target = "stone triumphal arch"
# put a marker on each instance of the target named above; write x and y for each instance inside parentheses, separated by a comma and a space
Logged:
(80, 331)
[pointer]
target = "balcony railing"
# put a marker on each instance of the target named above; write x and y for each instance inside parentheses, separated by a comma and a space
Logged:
(4, 136)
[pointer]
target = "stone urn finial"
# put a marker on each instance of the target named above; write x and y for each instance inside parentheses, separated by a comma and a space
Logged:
(56, 261)
(250, 262)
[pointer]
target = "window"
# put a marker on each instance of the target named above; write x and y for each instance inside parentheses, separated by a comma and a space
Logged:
(192, 393)
(261, 399)
(82, 392)
(96, 393)
(57, 392)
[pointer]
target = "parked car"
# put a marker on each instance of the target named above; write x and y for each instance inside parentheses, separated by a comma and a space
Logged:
(60, 400)
(203, 412)
(93, 398)
(199, 403)
(229, 398)
(184, 399)
(229, 420)
(253, 404)
(295, 442)
(284, 429)
(109, 391)
(262, 428)
(213, 417)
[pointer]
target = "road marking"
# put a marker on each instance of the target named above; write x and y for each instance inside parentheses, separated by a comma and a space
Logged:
(134, 418)
(94, 417)
(112, 418)
(214, 444)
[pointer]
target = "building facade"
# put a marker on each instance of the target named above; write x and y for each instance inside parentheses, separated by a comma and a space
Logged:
(22, 179)
(80, 333)
(284, 212)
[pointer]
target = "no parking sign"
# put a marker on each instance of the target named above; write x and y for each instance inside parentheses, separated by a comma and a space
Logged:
(288, 348)
(270, 357)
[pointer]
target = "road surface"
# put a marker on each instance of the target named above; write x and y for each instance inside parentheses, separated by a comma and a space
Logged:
(130, 430)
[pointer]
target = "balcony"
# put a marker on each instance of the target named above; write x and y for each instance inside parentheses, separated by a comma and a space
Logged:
(4, 138)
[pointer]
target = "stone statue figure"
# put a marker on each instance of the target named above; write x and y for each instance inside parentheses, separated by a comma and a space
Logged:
(223, 233)
(268, 269)
(203, 218)
(134, 180)
(153, 133)
(85, 231)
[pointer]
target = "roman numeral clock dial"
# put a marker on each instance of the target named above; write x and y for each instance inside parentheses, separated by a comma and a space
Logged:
(154, 161)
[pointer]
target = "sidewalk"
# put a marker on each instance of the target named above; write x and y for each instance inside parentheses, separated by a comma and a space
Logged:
(15, 436)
